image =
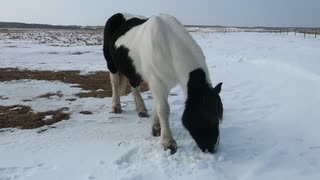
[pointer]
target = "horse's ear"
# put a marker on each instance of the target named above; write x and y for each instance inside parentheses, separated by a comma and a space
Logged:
(197, 79)
(218, 88)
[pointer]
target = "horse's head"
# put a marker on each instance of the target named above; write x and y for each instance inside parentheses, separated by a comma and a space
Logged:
(202, 115)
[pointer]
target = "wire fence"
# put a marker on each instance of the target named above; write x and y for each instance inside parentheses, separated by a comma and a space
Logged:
(311, 32)
(307, 32)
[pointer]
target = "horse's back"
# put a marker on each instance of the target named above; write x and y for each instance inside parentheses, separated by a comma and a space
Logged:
(161, 47)
(174, 49)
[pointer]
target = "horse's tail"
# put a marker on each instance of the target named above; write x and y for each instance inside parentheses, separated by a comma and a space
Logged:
(123, 84)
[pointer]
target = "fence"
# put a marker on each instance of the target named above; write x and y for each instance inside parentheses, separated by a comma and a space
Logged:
(315, 32)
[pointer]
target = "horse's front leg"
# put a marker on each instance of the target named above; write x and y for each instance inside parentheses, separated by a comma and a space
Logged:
(140, 106)
(115, 80)
(168, 142)
(163, 110)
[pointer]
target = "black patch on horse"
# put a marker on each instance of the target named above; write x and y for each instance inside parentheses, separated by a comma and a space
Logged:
(125, 65)
(118, 58)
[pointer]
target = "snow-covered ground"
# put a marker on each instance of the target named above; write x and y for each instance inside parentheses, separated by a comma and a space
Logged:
(270, 128)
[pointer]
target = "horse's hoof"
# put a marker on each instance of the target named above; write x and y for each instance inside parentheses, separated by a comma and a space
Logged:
(156, 130)
(143, 114)
(116, 110)
(172, 145)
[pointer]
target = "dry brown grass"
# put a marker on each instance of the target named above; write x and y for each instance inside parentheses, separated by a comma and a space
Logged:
(23, 117)
(98, 83)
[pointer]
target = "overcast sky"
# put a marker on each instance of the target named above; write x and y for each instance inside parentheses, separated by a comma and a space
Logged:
(204, 12)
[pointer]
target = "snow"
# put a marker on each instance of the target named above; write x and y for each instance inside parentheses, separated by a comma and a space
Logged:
(14, 109)
(28, 52)
(270, 128)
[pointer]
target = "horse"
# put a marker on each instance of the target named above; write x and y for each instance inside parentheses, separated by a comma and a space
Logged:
(161, 52)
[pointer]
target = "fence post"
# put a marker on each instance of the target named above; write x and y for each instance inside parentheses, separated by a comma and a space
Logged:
(295, 32)
(315, 34)
(305, 31)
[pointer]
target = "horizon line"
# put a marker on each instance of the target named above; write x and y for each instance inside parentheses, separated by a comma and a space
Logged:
(186, 25)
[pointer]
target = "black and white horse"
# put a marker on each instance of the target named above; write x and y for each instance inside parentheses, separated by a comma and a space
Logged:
(161, 52)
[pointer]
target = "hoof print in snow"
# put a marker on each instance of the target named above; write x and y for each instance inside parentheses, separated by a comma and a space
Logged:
(143, 114)
(42, 130)
(91, 177)
(86, 112)
(3, 98)
(6, 130)
(51, 95)
(26, 100)
(125, 160)
(122, 143)
(115, 117)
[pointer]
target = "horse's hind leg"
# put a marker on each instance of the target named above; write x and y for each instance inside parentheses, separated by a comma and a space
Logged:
(115, 83)
(140, 106)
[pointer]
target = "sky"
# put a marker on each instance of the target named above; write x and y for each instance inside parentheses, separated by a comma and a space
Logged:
(302, 13)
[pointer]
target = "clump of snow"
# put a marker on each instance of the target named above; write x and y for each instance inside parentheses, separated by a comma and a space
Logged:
(48, 117)
(15, 108)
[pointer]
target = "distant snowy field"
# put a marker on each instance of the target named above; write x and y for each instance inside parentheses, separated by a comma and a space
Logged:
(270, 128)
